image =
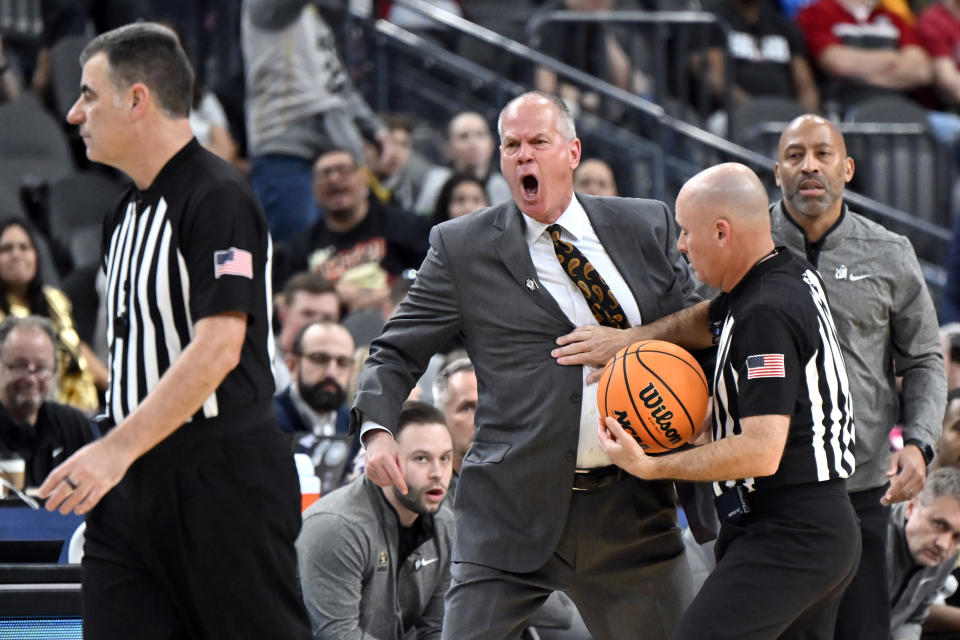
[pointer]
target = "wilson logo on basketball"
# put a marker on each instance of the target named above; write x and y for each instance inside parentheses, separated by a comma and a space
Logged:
(652, 400)
(656, 391)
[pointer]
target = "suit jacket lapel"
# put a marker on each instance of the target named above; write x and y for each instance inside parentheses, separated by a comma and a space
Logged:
(620, 242)
(512, 247)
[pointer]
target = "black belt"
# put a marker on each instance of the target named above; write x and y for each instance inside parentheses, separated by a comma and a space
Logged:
(596, 478)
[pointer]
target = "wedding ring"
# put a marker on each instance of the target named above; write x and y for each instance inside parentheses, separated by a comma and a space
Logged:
(73, 485)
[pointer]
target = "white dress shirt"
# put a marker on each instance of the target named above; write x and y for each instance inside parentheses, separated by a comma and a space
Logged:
(578, 230)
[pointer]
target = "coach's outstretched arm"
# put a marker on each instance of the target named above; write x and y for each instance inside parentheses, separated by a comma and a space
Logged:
(594, 345)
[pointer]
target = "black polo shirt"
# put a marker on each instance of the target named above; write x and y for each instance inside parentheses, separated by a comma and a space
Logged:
(59, 432)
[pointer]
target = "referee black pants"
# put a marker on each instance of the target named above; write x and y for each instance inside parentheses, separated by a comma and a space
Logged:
(780, 570)
(197, 540)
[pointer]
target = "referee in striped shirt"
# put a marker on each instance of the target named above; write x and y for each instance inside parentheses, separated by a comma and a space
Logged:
(782, 425)
(191, 497)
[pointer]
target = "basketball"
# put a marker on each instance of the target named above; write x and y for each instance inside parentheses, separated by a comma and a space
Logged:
(656, 391)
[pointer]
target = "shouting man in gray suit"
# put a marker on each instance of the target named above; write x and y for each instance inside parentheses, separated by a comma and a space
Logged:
(540, 508)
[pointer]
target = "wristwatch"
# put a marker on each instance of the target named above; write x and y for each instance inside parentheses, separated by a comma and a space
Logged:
(925, 448)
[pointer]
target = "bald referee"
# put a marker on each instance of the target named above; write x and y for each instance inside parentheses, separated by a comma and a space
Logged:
(782, 426)
(192, 497)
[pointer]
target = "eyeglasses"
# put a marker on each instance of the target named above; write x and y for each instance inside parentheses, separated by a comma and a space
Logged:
(322, 359)
(338, 169)
(22, 369)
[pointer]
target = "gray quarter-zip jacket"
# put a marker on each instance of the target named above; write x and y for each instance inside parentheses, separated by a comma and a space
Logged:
(353, 590)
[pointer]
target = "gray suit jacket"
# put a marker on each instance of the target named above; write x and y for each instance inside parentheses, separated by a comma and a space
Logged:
(478, 280)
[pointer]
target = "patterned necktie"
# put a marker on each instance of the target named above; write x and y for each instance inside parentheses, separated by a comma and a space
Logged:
(600, 298)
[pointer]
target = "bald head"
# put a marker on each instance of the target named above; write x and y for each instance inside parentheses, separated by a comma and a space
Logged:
(730, 190)
(724, 223)
(812, 169)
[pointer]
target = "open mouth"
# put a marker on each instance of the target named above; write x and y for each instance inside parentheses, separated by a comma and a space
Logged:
(436, 495)
(530, 186)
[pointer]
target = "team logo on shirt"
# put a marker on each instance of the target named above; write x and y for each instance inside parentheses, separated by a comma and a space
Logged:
(232, 262)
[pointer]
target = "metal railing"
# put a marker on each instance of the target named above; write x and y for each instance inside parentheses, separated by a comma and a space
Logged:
(402, 71)
(669, 47)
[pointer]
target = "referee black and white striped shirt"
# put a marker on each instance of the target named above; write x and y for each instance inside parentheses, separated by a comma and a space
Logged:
(779, 354)
(192, 245)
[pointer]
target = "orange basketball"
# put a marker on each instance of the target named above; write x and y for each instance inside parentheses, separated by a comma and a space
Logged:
(656, 391)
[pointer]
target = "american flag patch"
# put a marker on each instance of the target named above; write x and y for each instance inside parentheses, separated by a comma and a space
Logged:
(767, 365)
(232, 262)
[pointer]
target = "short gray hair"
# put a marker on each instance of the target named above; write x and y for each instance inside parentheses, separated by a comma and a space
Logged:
(565, 123)
(441, 383)
(942, 482)
(37, 323)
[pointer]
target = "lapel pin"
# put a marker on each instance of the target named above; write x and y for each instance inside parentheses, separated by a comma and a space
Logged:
(532, 284)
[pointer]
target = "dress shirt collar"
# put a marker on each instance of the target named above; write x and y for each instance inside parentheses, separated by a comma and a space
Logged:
(573, 220)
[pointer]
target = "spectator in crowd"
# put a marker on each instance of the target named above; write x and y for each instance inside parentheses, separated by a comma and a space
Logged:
(321, 364)
(938, 27)
(374, 562)
(455, 393)
(950, 347)
(782, 424)
(943, 619)
(306, 297)
(313, 409)
(947, 449)
(364, 322)
(863, 50)
(539, 507)
(594, 177)
(209, 123)
(355, 229)
(208, 120)
(888, 328)
(9, 80)
(42, 432)
(413, 20)
(461, 194)
(596, 48)
(396, 172)
(470, 146)
(939, 30)
(300, 100)
(766, 53)
(923, 545)
(23, 293)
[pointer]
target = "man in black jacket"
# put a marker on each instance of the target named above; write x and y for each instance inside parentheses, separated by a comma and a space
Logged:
(42, 432)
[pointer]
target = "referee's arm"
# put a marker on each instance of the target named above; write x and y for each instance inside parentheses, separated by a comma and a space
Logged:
(213, 352)
(753, 453)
